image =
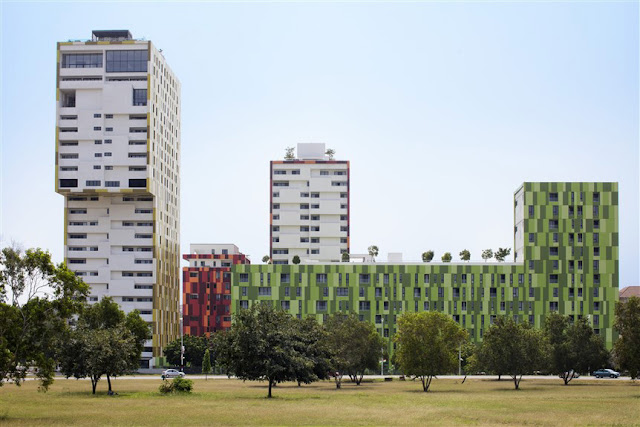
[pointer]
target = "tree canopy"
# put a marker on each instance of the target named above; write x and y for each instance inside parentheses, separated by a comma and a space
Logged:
(487, 254)
(427, 345)
(427, 256)
(356, 345)
(574, 347)
(512, 348)
(37, 299)
(373, 252)
(627, 347)
(194, 349)
(502, 253)
(267, 344)
(105, 341)
(465, 255)
(446, 257)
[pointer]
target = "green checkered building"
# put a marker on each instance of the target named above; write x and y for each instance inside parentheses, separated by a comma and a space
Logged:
(566, 261)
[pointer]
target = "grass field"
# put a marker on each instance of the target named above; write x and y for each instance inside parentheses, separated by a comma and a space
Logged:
(232, 402)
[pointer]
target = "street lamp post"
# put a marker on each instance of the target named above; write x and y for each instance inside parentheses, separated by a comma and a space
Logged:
(181, 341)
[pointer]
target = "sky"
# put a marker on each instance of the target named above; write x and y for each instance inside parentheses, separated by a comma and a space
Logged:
(443, 110)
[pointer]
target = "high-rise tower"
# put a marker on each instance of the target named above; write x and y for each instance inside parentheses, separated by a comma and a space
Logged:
(309, 207)
(117, 166)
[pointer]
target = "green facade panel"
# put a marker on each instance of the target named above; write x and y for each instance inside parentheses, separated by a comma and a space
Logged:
(568, 263)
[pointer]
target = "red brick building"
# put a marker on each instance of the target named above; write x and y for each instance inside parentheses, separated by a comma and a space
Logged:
(206, 287)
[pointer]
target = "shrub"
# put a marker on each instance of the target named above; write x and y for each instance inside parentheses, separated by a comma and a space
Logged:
(182, 385)
(178, 385)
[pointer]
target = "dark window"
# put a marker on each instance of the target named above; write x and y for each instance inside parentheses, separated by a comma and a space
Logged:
(138, 183)
(119, 61)
(66, 183)
(139, 97)
(82, 60)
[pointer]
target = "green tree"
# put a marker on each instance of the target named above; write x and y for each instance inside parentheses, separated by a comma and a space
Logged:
(502, 253)
(104, 342)
(446, 257)
(516, 349)
(289, 153)
(627, 348)
(487, 254)
(330, 152)
(37, 300)
(296, 259)
(312, 343)
(262, 345)
(355, 345)
(427, 345)
(373, 252)
(194, 349)
(206, 364)
(266, 259)
(573, 347)
(345, 257)
(427, 256)
(465, 255)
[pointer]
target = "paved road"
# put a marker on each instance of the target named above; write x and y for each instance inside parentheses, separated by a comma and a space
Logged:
(395, 377)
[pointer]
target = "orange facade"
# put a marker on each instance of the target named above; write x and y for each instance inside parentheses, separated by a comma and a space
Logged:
(206, 293)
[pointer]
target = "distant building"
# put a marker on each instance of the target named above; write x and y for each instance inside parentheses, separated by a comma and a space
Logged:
(206, 287)
(309, 207)
(566, 261)
(117, 166)
(628, 292)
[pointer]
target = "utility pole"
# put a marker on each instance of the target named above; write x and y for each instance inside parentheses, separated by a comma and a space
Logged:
(181, 341)
(382, 349)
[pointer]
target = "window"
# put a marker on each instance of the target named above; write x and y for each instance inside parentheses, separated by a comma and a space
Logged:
(281, 184)
(139, 97)
(321, 278)
(82, 60)
(244, 277)
(324, 173)
(119, 61)
(342, 292)
(440, 292)
(92, 183)
(553, 251)
(553, 224)
(596, 224)
(112, 183)
(553, 197)
(137, 183)
(264, 291)
(276, 206)
(285, 305)
(363, 305)
(553, 306)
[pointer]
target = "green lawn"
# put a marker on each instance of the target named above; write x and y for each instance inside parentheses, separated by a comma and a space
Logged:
(232, 402)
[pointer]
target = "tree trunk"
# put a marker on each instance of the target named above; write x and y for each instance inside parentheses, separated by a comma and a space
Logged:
(499, 377)
(270, 384)
(464, 379)
(516, 381)
(94, 383)
(424, 384)
(109, 382)
(359, 379)
(298, 383)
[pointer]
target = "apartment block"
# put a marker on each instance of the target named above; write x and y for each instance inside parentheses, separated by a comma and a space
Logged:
(309, 207)
(117, 166)
(566, 261)
(206, 286)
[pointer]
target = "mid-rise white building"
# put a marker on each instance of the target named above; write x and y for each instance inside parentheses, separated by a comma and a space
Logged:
(309, 213)
(117, 166)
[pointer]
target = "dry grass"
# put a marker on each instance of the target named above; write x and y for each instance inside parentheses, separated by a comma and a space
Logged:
(232, 402)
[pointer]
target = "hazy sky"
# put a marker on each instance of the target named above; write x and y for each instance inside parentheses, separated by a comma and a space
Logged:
(443, 109)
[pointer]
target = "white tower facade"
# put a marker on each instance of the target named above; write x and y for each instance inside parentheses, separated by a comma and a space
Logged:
(118, 168)
(309, 212)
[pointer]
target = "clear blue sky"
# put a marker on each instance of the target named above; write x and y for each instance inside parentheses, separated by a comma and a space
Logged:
(443, 109)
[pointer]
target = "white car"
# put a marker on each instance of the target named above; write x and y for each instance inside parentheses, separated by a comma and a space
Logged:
(172, 373)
